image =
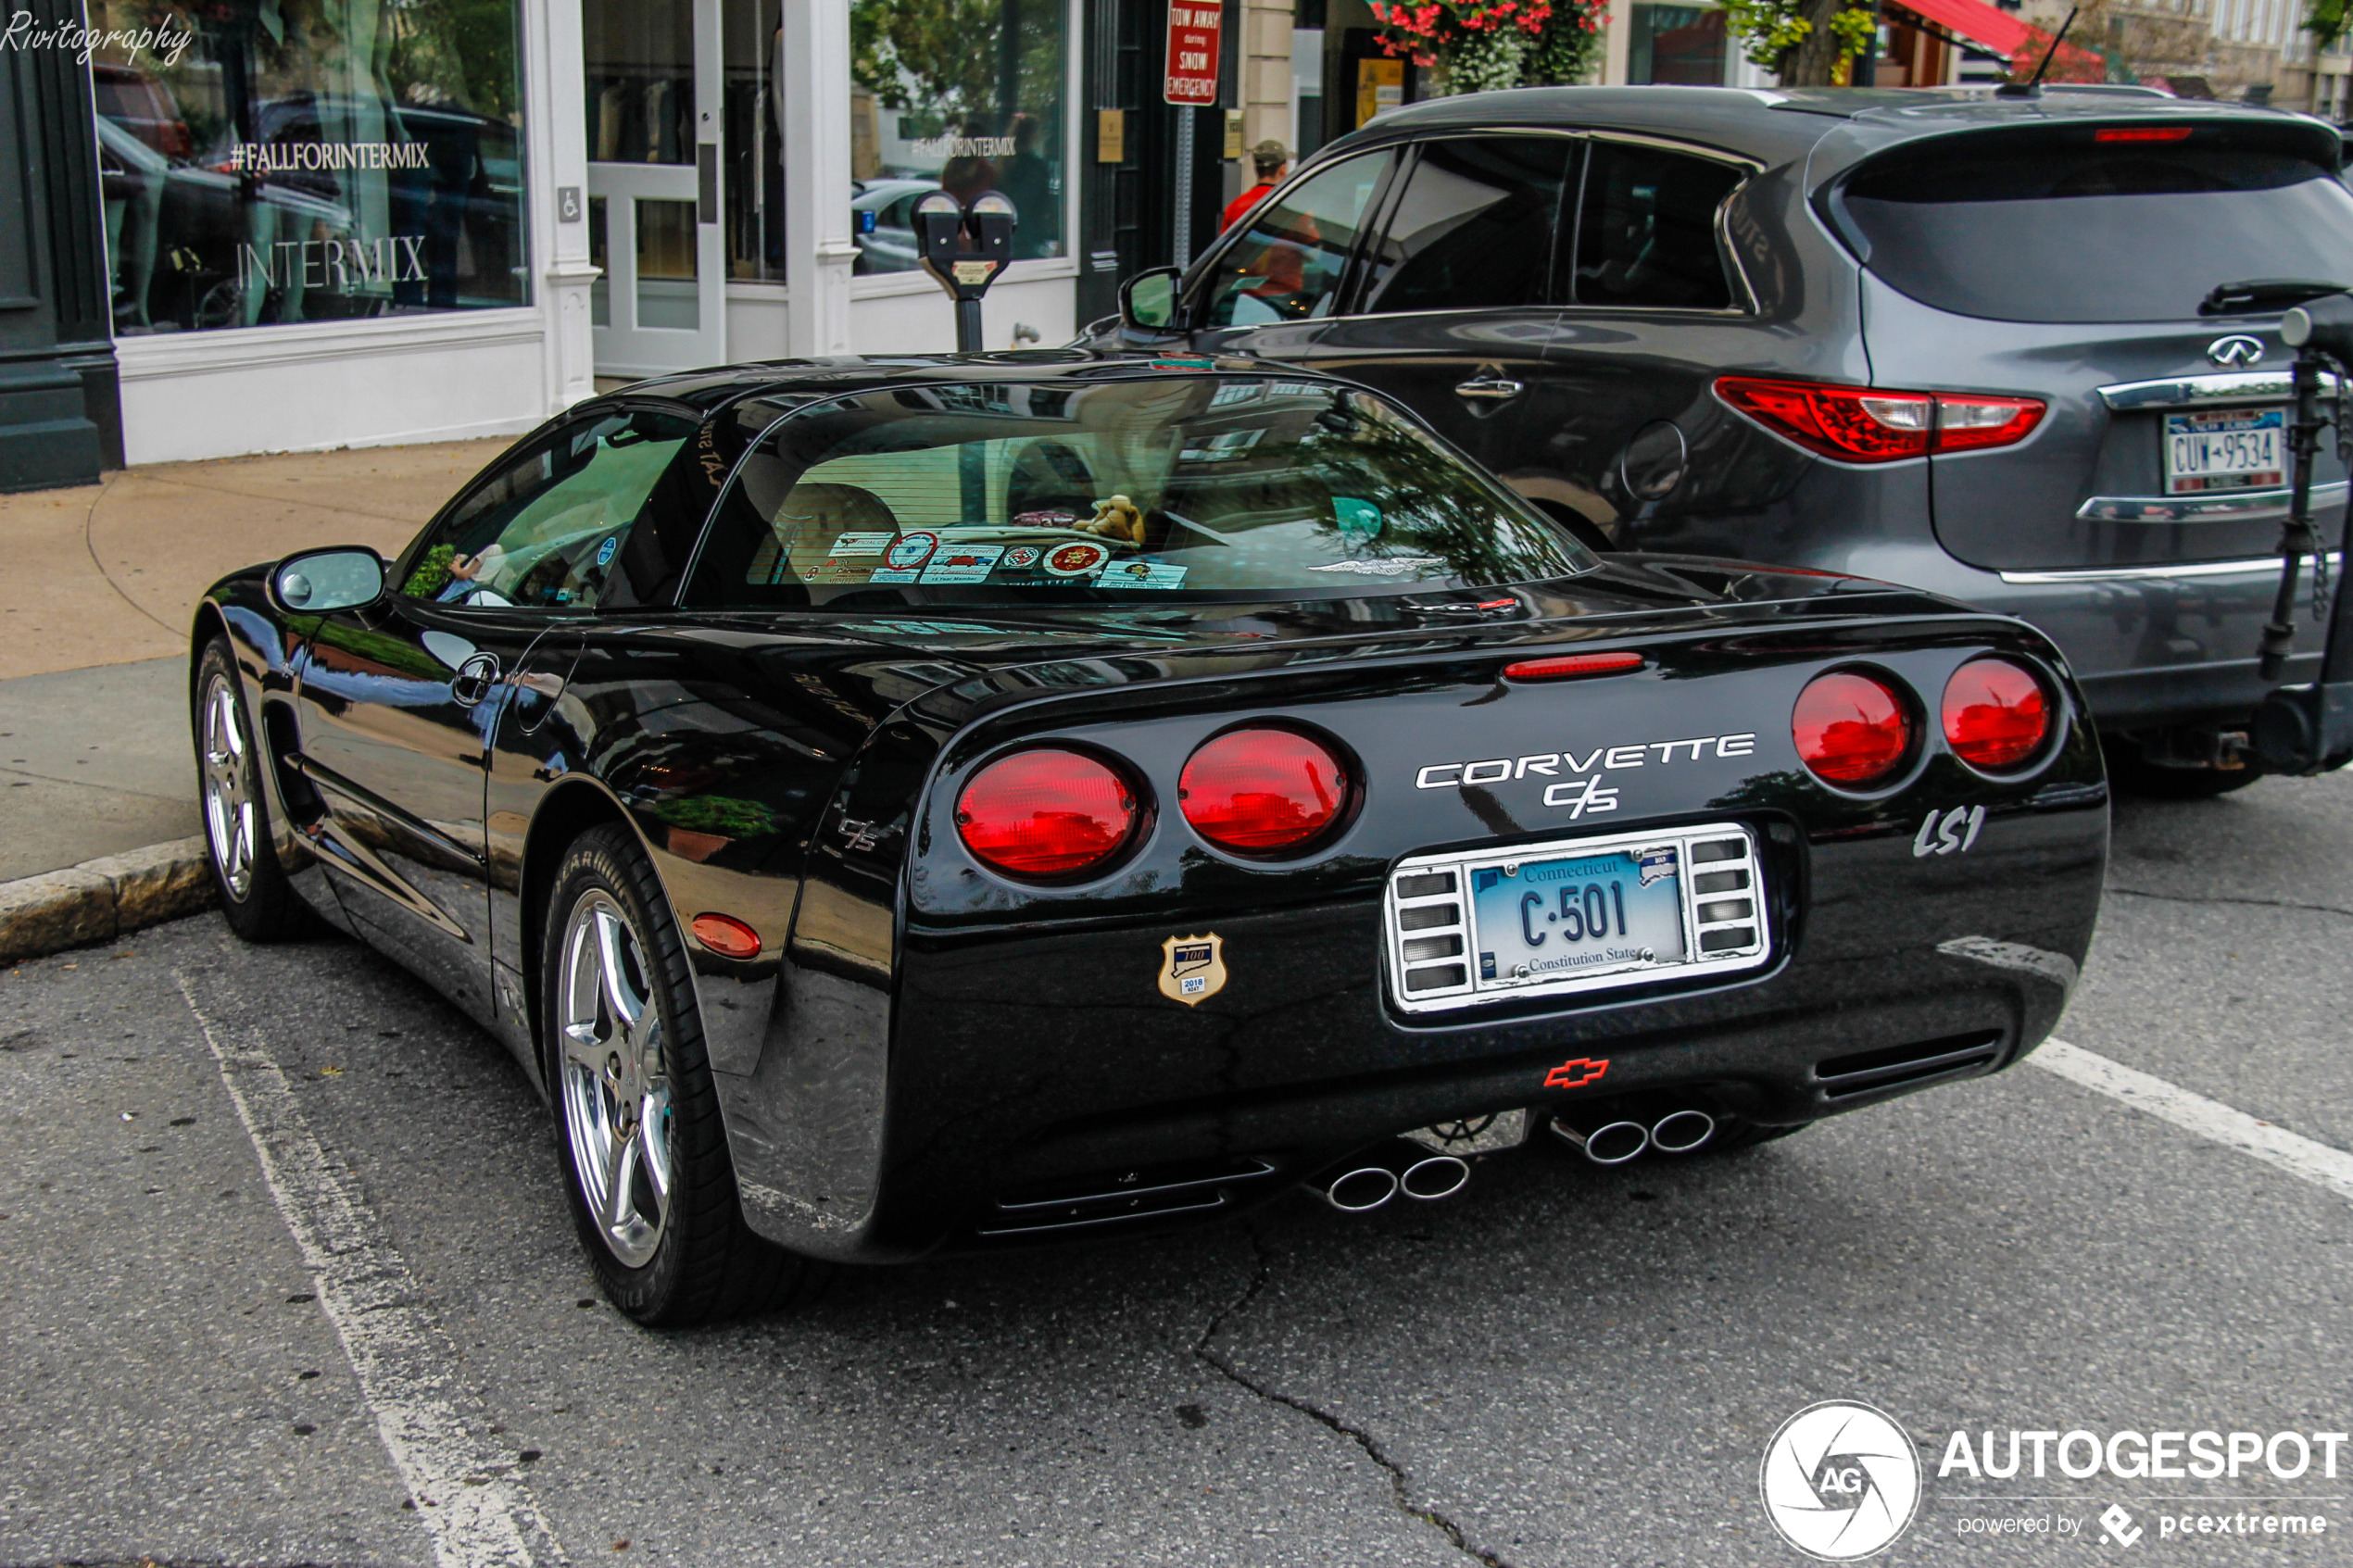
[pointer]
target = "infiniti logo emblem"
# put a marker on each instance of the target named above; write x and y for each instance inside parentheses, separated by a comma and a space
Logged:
(2236, 349)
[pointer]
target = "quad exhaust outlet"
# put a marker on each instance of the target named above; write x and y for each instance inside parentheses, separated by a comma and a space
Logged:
(1399, 1170)
(1612, 1133)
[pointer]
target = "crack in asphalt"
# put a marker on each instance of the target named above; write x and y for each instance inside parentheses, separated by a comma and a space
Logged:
(1400, 1488)
(2226, 898)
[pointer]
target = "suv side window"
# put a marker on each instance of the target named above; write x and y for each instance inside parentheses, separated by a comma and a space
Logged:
(1474, 229)
(1287, 264)
(569, 521)
(1646, 229)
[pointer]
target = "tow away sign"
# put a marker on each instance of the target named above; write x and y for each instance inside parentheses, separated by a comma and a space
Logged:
(1193, 53)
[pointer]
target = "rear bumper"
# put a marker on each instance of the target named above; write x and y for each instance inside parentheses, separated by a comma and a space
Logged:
(2151, 647)
(1043, 1061)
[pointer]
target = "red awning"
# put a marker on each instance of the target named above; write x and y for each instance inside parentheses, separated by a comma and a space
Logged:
(1998, 33)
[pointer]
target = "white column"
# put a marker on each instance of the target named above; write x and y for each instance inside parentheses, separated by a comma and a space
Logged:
(818, 248)
(555, 135)
(1617, 43)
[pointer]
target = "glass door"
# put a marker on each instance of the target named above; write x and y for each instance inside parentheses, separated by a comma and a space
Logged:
(654, 179)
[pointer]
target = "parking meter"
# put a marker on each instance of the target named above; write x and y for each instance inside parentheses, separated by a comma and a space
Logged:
(964, 248)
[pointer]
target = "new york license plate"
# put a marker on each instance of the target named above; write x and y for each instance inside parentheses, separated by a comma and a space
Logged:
(2225, 450)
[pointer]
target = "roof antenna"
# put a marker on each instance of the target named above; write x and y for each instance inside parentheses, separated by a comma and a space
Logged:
(2032, 86)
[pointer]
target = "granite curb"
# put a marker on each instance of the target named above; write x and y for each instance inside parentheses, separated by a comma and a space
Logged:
(101, 899)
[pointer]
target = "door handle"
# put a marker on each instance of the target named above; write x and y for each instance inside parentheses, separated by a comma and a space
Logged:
(1488, 386)
(473, 680)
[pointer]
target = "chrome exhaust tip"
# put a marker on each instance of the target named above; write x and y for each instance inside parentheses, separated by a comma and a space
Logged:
(1682, 1130)
(1441, 1176)
(1603, 1140)
(1362, 1190)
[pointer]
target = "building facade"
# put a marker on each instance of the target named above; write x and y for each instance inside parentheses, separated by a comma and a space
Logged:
(340, 223)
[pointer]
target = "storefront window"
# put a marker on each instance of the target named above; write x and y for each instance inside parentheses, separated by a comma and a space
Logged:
(312, 160)
(1676, 44)
(967, 94)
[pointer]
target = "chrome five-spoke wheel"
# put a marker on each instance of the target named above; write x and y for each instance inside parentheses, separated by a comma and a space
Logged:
(228, 791)
(615, 1085)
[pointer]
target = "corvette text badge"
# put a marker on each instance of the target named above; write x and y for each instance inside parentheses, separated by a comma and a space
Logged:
(1192, 967)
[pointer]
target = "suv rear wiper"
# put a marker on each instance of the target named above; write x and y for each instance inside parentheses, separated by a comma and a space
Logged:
(2257, 295)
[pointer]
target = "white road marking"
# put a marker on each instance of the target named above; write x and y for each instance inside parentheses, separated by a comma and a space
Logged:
(2298, 1156)
(480, 1515)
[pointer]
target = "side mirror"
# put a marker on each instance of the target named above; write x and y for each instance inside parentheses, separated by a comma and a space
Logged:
(317, 582)
(1147, 300)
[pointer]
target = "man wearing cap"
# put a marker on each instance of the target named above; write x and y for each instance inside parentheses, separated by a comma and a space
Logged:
(1272, 160)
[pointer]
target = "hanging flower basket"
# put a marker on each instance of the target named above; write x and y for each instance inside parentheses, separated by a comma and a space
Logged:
(1482, 46)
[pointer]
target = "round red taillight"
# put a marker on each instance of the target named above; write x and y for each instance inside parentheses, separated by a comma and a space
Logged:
(1996, 714)
(1260, 791)
(1046, 814)
(1851, 728)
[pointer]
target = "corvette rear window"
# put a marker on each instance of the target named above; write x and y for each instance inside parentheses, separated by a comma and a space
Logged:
(2057, 225)
(1182, 485)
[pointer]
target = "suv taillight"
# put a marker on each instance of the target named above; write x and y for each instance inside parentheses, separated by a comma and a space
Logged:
(1869, 425)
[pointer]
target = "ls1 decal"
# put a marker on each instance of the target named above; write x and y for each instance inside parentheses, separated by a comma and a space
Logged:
(1948, 833)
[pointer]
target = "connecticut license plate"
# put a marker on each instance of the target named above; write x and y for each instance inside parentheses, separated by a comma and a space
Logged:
(2225, 450)
(1574, 915)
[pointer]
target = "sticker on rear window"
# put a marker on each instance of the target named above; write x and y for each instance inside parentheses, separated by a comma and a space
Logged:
(962, 563)
(1143, 574)
(860, 544)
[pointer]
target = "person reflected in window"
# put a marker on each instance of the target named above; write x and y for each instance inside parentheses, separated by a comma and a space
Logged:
(1029, 181)
(1271, 159)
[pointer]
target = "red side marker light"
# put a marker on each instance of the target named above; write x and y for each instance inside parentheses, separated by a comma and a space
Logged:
(726, 935)
(1850, 729)
(2143, 133)
(1569, 666)
(1996, 714)
(1262, 791)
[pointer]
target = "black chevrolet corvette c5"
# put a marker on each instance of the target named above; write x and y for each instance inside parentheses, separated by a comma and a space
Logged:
(898, 806)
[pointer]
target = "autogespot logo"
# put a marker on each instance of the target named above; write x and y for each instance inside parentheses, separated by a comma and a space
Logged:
(1840, 1480)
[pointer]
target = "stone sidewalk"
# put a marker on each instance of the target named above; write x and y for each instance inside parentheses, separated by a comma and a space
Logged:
(95, 597)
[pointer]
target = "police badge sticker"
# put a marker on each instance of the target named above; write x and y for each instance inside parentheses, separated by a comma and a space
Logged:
(1192, 968)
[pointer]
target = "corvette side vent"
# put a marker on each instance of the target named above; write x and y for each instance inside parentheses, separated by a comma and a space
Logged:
(1115, 1197)
(1955, 1056)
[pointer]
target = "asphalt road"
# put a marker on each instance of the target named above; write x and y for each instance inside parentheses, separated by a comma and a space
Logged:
(1562, 1366)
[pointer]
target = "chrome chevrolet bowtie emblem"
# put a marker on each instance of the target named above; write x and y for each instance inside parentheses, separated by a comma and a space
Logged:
(2236, 349)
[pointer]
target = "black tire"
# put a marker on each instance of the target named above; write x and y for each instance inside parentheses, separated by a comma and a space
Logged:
(701, 1262)
(2131, 773)
(257, 901)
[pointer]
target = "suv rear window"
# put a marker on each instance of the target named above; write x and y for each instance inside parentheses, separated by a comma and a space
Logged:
(2080, 225)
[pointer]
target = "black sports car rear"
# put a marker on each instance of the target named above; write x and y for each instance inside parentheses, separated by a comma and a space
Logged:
(902, 806)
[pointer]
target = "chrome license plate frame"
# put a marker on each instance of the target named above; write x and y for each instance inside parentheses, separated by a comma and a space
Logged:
(1432, 922)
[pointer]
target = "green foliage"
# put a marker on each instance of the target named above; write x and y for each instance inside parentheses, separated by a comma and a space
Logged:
(2325, 20)
(1773, 30)
(1767, 30)
(431, 573)
(943, 58)
(720, 816)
